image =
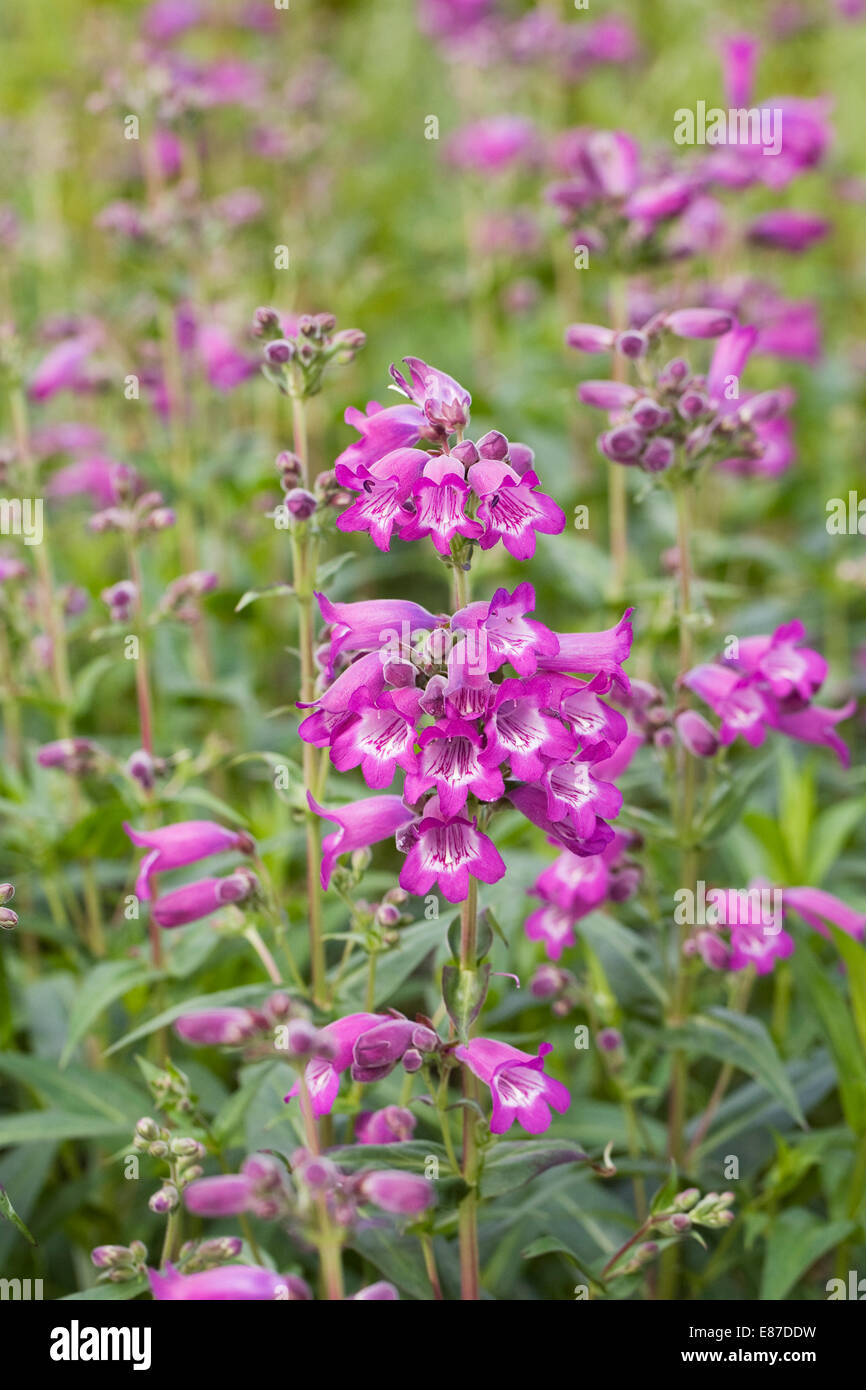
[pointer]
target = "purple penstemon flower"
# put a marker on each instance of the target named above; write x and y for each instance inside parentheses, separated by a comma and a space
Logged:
(574, 793)
(322, 1074)
(506, 635)
(380, 739)
(454, 761)
(782, 663)
(194, 901)
(229, 1282)
(360, 824)
(383, 429)
(386, 488)
(444, 402)
(447, 850)
(511, 510)
(185, 842)
(519, 1087)
(520, 730)
(364, 626)
(440, 497)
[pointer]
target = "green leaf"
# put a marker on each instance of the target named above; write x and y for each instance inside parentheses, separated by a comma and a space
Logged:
(271, 591)
(745, 1043)
(8, 1213)
(841, 1034)
(666, 1193)
(854, 955)
(551, 1245)
(797, 1239)
(94, 1093)
(515, 1162)
(464, 992)
(107, 1293)
(105, 983)
(832, 830)
(43, 1126)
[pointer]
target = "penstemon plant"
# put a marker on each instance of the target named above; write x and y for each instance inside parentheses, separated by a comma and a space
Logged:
(417, 896)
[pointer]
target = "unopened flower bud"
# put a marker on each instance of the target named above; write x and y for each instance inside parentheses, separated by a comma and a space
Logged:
(387, 915)
(632, 343)
(279, 352)
(300, 503)
(412, 1060)
(164, 1201)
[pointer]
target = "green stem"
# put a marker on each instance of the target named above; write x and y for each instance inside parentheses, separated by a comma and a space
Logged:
(468, 1215)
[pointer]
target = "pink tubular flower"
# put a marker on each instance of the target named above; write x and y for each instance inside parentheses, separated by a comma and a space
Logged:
(696, 734)
(63, 368)
(511, 510)
(360, 627)
(403, 1194)
(593, 653)
(185, 842)
(233, 1283)
(218, 1027)
(386, 487)
(200, 899)
(454, 760)
(360, 824)
(229, 1194)
(383, 429)
(383, 1292)
(520, 729)
(491, 145)
(787, 230)
(392, 1125)
(699, 323)
(322, 1074)
(447, 851)
(380, 739)
(503, 634)
(443, 401)
(817, 908)
(440, 496)
(781, 663)
(742, 709)
(518, 1085)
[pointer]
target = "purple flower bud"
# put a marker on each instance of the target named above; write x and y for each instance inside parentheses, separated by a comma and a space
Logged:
(493, 445)
(279, 352)
(607, 395)
(7, 892)
(226, 1195)
(265, 321)
(217, 1027)
(300, 503)
(674, 372)
(589, 337)
(381, 1292)
(700, 323)
(424, 1039)
(648, 414)
(301, 1037)
(278, 1006)
(400, 673)
(387, 915)
(412, 1060)
(404, 1194)
(609, 1040)
(432, 701)
(547, 982)
(165, 1200)
(658, 455)
(8, 918)
(681, 1222)
(265, 1171)
(465, 453)
(320, 1174)
(141, 768)
(622, 444)
(765, 406)
(110, 1256)
(632, 343)
(291, 468)
(696, 734)
(663, 738)
(692, 404)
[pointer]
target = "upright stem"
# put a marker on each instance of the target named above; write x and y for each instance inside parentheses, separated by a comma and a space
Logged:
(468, 1215)
(617, 494)
(304, 559)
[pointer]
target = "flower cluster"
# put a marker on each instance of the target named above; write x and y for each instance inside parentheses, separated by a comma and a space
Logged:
(769, 682)
(676, 412)
(299, 348)
(370, 1046)
(457, 494)
(433, 697)
(188, 842)
(573, 886)
(740, 931)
